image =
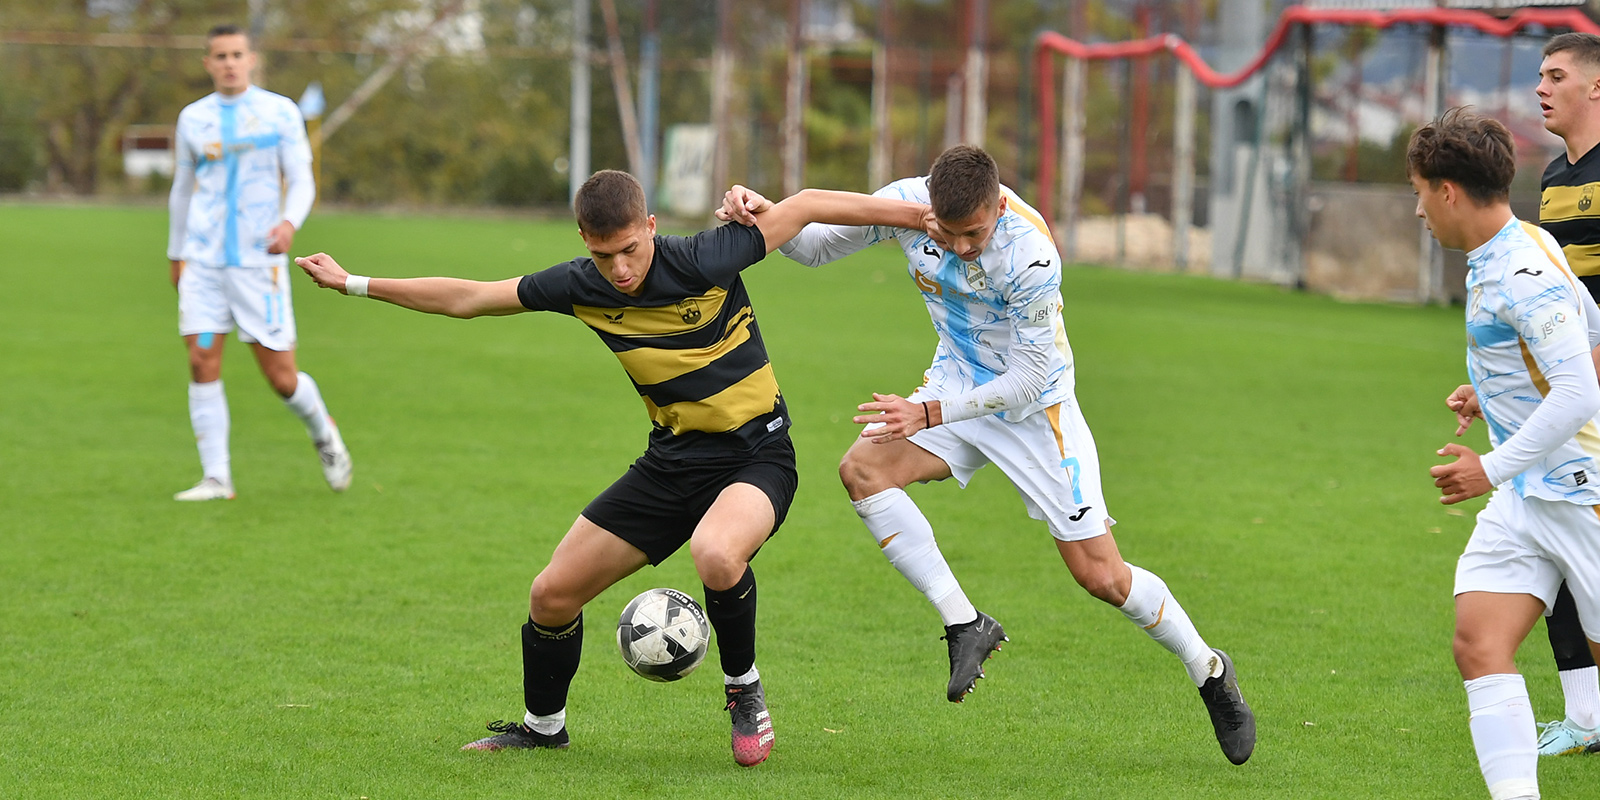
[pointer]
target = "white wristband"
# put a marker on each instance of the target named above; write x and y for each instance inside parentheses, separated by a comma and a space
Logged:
(356, 285)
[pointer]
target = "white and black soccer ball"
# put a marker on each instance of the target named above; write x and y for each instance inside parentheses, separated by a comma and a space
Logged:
(663, 634)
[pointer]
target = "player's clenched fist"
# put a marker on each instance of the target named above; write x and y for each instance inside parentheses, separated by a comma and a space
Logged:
(325, 271)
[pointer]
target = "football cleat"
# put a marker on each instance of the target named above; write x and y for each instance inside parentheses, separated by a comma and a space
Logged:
(752, 725)
(517, 736)
(971, 644)
(1231, 716)
(206, 489)
(1563, 738)
(336, 464)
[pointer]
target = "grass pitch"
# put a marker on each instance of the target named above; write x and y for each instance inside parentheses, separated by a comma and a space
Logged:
(1265, 452)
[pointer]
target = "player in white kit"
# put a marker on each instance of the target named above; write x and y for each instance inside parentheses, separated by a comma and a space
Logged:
(1531, 333)
(242, 188)
(1000, 390)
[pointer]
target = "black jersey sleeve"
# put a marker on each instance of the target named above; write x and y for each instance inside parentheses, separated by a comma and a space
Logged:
(721, 253)
(549, 289)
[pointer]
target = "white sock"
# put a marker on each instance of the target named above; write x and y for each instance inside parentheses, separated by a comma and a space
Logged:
(1581, 688)
(906, 539)
(1152, 607)
(306, 403)
(545, 724)
(1503, 734)
(743, 680)
(208, 415)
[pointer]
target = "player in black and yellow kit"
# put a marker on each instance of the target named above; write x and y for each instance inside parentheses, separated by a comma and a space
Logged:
(719, 472)
(1569, 98)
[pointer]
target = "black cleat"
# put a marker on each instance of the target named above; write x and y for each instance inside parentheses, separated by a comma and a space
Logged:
(970, 644)
(516, 736)
(1231, 716)
(752, 725)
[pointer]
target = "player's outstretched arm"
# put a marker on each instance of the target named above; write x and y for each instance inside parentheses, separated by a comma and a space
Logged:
(452, 297)
(783, 221)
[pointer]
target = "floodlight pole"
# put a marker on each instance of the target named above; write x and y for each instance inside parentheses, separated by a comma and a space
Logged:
(1183, 167)
(879, 162)
(649, 100)
(578, 157)
(794, 104)
(1183, 148)
(977, 74)
(1073, 123)
(721, 92)
(1430, 258)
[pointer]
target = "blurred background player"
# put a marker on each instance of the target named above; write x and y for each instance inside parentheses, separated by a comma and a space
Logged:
(1569, 97)
(719, 473)
(1000, 391)
(1530, 333)
(241, 189)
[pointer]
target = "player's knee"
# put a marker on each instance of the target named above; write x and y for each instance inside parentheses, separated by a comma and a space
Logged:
(718, 565)
(283, 384)
(204, 365)
(1474, 656)
(1101, 581)
(548, 605)
(861, 476)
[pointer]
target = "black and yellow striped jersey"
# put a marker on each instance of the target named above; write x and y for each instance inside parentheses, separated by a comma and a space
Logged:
(689, 340)
(1569, 210)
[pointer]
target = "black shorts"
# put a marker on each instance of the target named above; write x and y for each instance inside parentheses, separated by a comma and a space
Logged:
(657, 503)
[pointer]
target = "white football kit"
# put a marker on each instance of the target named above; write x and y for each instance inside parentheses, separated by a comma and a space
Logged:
(243, 166)
(1530, 330)
(1003, 371)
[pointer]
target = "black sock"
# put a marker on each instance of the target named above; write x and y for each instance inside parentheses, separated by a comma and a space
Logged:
(549, 660)
(1567, 640)
(732, 613)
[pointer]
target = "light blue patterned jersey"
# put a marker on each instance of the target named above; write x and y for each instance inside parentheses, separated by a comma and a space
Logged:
(1010, 294)
(1525, 316)
(238, 151)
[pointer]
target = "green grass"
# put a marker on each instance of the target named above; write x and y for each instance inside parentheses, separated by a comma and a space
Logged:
(1265, 452)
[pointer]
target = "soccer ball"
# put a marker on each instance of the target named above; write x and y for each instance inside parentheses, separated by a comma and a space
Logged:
(663, 634)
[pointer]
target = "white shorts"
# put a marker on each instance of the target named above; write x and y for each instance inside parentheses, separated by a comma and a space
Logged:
(256, 299)
(1049, 457)
(1529, 546)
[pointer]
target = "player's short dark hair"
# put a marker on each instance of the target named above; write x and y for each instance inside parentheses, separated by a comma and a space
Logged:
(1585, 48)
(610, 201)
(1468, 149)
(963, 180)
(226, 29)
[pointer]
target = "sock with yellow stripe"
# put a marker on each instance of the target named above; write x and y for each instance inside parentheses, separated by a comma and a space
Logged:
(1151, 606)
(906, 539)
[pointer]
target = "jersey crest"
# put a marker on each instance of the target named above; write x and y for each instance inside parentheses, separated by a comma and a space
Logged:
(976, 278)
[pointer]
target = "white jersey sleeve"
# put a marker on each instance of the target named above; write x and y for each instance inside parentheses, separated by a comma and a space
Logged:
(294, 157)
(183, 183)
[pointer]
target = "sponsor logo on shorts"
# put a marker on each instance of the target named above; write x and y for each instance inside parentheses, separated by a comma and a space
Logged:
(1081, 512)
(1580, 477)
